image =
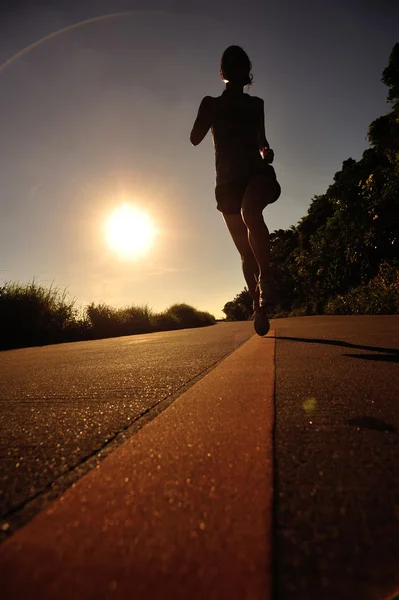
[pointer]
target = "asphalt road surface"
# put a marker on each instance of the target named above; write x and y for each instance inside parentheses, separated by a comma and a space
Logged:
(66, 406)
(182, 509)
(337, 458)
(336, 439)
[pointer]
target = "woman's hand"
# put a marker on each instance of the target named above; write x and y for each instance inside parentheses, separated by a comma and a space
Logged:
(267, 154)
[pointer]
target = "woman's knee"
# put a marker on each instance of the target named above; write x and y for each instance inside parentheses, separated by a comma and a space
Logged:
(252, 216)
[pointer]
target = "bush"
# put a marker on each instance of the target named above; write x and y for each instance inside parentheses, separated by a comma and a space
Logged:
(300, 312)
(112, 322)
(205, 318)
(31, 315)
(380, 296)
(189, 316)
(104, 320)
(137, 319)
(165, 322)
(78, 330)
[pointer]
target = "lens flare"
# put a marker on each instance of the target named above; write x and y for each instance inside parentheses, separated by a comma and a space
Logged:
(309, 405)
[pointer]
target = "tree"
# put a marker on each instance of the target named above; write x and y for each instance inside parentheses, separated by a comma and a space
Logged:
(239, 309)
(390, 77)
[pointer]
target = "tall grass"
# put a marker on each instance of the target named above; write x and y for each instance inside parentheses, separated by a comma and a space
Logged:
(106, 321)
(32, 315)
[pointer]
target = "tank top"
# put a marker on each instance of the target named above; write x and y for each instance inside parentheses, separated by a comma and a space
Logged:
(235, 127)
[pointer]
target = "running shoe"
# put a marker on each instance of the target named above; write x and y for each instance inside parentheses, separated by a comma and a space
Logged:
(261, 321)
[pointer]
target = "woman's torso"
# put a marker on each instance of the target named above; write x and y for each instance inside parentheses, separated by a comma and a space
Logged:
(235, 126)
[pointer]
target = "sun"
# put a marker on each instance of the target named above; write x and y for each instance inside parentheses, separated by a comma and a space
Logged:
(130, 231)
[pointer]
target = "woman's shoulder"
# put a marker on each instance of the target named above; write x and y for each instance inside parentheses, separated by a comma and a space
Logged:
(210, 99)
(208, 104)
(255, 100)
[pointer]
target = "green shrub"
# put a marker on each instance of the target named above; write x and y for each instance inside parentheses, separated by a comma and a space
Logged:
(112, 322)
(78, 330)
(165, 322)
(205, 318)
(104, 320)
(299, 312)
(137, 319)
(32, 315)
(380, 296)
(188, 316)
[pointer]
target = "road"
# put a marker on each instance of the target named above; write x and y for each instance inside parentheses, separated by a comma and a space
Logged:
(64, 407)
(336, 444)
(337, 503)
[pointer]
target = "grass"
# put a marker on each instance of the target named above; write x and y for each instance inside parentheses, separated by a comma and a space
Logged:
(32, 315)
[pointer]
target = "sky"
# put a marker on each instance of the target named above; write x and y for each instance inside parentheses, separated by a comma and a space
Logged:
(100, 114)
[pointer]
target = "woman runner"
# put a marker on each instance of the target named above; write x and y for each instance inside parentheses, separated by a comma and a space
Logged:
(245, 181)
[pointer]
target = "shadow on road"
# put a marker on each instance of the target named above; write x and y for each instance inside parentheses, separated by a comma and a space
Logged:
(393, 351)
(379, 357)
(372, 423)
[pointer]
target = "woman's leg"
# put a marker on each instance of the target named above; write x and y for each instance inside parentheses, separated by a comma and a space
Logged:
(250, 267)
(260, 192)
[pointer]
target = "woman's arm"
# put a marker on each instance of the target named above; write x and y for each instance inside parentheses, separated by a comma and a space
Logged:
(264, 147)
(203, 121)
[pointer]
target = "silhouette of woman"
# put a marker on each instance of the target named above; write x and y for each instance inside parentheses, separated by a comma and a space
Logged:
(245, 180)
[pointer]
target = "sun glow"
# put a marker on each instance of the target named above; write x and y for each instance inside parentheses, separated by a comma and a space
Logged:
(130, 231)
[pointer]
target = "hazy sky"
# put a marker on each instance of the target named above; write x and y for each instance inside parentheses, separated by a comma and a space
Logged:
(102, 113)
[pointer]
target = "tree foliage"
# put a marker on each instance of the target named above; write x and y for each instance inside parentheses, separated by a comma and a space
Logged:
(239, 309)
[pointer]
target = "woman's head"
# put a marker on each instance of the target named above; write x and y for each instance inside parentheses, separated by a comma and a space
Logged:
(235, 66)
